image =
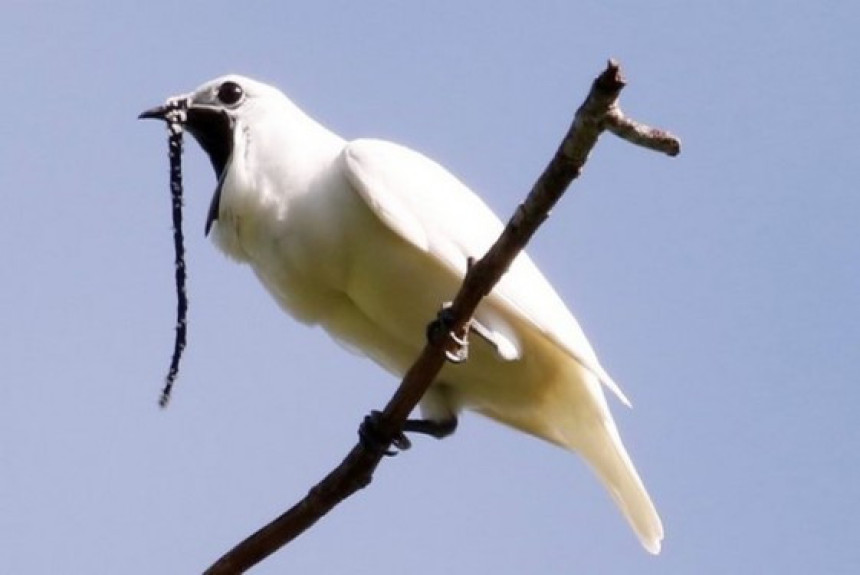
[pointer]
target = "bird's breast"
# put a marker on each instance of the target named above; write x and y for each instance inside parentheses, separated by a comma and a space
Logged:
(295, 238)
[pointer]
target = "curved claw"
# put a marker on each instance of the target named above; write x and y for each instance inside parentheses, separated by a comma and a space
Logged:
(459, 355)
(442, 327)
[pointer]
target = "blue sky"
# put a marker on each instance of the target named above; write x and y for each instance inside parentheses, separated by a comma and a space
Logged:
(721, 288)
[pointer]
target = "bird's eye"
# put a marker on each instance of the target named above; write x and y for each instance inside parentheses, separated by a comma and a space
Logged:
(230, 93)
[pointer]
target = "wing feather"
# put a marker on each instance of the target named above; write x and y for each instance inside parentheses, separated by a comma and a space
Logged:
(431, 209)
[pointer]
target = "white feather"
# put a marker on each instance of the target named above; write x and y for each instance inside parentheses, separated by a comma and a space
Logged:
(435, 212)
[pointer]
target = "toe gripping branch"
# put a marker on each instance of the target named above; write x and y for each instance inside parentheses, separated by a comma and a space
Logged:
(371, 436)
(441, 331)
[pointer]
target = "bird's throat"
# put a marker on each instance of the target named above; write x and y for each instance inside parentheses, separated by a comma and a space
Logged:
(213, 130)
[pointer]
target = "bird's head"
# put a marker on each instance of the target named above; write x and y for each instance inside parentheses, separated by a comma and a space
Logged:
(213, 112)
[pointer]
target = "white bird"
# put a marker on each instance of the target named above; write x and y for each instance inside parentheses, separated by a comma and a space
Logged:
(367, 239)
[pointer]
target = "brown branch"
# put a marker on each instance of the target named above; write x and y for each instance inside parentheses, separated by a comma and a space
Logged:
(599, 111)
(640, 134)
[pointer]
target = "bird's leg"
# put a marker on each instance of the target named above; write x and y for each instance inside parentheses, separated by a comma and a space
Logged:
(441, 328)
(437, 429)
(368, 432)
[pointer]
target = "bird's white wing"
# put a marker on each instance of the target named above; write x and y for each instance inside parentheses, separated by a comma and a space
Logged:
(431, 209)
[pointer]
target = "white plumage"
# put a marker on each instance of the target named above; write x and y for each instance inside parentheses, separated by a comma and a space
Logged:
(368, 238)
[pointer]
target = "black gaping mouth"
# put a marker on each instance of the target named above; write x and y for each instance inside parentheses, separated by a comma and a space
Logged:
(213, 130)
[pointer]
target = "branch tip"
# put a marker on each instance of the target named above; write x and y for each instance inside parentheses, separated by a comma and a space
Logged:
(611, 80)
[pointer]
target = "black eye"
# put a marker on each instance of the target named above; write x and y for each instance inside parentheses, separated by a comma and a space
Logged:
(230, 93)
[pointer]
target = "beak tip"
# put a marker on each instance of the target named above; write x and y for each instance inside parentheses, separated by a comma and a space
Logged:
(156, 113)
(164, 110)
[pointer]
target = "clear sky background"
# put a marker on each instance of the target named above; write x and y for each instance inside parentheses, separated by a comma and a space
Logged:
(720, 288)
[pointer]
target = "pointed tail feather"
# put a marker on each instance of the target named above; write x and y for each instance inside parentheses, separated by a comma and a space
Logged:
(583, 423)
(606, 455)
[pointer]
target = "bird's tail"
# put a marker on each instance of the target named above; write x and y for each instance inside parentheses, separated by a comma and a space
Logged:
(582, 422)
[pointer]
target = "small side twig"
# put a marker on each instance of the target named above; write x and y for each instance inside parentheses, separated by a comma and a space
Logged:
(640, 134)
(599, 112)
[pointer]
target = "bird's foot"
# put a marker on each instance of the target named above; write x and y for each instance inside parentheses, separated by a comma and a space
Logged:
(371, 438)
(443, 327)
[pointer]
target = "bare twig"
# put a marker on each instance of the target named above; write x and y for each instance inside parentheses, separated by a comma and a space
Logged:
(640, 134)
(599, 111)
